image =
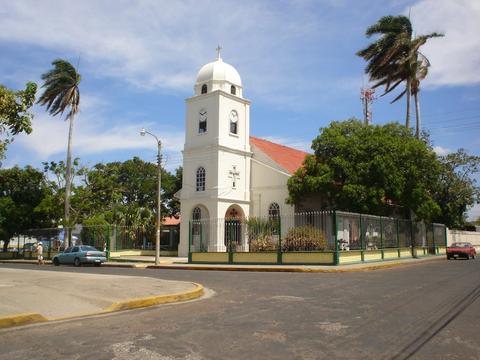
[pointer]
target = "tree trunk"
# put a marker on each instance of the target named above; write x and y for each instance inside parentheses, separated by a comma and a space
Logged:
(409, 87)
(6, 242)
(417, 115)
(68, 183)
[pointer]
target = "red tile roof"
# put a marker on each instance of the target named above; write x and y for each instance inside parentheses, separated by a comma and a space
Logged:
(171, 220)
(288, 158)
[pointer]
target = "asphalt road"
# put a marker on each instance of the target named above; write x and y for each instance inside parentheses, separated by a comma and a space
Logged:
(427, 311)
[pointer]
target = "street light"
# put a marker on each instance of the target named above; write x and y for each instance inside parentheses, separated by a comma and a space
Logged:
(159, 168)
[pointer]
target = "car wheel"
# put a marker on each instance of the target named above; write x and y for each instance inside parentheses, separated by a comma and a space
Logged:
(56, 262)
(77, 262)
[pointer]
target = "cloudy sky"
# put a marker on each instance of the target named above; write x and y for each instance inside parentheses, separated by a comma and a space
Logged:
(139, 60)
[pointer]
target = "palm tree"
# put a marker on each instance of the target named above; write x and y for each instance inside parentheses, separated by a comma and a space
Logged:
(61, 94)
(384, 56)
(395, 58)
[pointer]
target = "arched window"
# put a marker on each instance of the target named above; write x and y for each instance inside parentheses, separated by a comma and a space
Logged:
(196, 213)
(233, 122)
(202, 121)
(200, 179)
(233, 90)
(196, 224)
(274, 211)
(204, 88)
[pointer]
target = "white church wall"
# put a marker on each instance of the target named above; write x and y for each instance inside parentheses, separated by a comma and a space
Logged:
(268, 186)
(194, 139)
(239, 141)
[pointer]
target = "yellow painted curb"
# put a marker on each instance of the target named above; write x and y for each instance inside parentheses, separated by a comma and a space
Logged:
(24, 319)
(156, 300)
(21, 319)
(299, 269)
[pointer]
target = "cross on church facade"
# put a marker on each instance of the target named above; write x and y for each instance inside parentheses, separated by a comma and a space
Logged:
(219, 48)
(233, 175)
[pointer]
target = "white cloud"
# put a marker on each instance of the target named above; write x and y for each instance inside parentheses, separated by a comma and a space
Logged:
(91, 136)
(455, 58)
(293, 143)
(159, 44)
(441, 151)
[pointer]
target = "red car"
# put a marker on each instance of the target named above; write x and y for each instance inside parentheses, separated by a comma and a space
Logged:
(461, 249)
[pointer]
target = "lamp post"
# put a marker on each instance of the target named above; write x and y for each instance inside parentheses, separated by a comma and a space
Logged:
(159, 169)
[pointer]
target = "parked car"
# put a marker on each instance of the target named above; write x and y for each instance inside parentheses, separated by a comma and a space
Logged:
(78, 255)
(29, 247)
(461, 249)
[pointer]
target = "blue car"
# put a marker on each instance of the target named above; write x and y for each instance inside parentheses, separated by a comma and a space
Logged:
(78, 255)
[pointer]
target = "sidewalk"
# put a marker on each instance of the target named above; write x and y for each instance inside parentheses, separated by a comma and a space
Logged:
(172, 264)
(33, 296)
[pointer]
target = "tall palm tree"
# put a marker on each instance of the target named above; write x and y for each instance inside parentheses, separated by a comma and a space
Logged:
(62, 94)
(384, 56)
(395, 58)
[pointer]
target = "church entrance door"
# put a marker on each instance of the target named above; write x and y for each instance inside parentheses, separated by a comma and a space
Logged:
(233, 228)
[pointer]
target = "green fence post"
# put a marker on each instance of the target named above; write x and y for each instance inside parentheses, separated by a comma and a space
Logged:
(398, 237)
(433, 239)
(445, 235)
(412, 239)
(230, 242)
(107, 250)
(381, 237)
(279, 251)
(189, 241)
(335, 229)
(362, 239)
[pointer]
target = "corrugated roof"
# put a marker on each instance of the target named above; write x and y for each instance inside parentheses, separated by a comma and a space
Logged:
(288, 158)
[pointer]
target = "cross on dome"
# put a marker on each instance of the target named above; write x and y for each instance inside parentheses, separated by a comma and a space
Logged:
(219, 48)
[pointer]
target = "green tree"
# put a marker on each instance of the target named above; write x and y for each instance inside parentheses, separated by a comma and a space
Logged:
(369, 169)
(15, 117)
(57, 173)
(22, 192)
(125, 192)
(456, 190)
(394, 58)
(61, 93)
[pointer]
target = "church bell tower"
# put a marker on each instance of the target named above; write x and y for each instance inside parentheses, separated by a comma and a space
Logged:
(216, 155)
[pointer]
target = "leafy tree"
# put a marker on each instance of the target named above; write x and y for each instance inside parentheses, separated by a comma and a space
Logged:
(125, 192)
(394, 59)
(369, 169)
(22, 192)
(57, 172)
(15, 117)
(61, 94)
(456, 190)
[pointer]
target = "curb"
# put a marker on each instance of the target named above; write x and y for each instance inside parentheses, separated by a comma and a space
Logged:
(32, 318)
(156, 300)
(379, 266)
(21, 319)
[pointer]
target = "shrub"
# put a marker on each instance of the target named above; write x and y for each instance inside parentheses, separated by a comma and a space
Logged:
(262, 234)
(304, 238)
(263, 243)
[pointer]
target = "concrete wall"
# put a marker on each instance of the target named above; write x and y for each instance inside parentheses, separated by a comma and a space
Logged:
(464, 236)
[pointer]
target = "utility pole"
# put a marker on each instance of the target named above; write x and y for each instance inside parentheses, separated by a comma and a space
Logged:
(367, 95)
(159, 189)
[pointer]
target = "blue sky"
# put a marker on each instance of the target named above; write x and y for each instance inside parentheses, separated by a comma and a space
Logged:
(139, 60)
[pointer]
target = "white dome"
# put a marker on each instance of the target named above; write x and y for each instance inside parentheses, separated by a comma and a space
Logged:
(218, 71)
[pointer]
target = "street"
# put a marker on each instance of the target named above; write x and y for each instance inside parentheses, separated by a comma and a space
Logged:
(427, 311)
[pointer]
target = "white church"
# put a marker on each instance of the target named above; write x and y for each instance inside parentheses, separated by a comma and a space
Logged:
(228, 174)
